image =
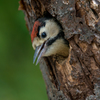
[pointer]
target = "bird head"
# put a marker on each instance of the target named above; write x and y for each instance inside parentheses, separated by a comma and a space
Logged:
(47, 38)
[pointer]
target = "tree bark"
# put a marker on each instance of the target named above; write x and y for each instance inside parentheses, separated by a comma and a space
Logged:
(78, 76)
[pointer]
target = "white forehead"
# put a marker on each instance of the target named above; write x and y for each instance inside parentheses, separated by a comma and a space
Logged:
(51, 28)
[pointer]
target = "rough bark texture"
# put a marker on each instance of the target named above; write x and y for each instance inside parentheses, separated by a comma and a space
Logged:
(78, 76)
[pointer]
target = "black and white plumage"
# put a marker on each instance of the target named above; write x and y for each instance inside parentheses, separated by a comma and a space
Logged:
(48, 38)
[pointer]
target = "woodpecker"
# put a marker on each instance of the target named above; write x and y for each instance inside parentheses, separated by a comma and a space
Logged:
(47, 39)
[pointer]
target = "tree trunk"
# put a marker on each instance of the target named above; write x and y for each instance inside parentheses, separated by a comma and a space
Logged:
(78, 76)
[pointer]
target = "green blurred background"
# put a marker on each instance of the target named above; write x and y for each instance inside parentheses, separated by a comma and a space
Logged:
(19, 78)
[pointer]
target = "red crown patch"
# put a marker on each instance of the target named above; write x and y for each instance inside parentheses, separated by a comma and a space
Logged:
(35, 30)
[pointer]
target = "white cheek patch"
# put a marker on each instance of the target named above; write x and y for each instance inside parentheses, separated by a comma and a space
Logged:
(51, 29)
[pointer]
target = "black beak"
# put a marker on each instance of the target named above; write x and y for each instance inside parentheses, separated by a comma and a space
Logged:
(39, 52)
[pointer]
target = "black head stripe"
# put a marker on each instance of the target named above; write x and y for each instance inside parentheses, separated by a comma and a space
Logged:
(60, 35)
(42, 25)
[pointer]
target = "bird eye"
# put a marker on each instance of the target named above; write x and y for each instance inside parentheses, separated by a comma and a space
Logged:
(43, 35)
